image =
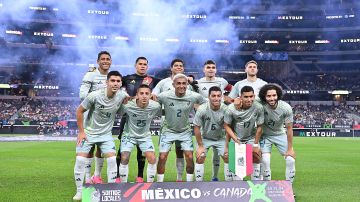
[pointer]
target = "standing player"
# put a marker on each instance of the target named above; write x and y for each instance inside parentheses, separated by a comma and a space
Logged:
(209, 118)
(139, 114)
(93, 80)
(178, 104)
(131, 83)
(177, 67)
(245, 124)
(277, 113)
(251, 69)
(204, 85)
(97, 126)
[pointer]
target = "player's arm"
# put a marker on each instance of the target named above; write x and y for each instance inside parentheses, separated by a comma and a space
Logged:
(200, 150)
(230, 133)
(290, 151)
(80, 123)
(85, 86)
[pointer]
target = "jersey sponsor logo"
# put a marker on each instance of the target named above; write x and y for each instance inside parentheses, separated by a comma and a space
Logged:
(171, 104)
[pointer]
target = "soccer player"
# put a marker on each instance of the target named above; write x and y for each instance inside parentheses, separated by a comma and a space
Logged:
(131, 84)
(93, 80)
(204, 85)
(245, 124)
(178, 104)
(277, 113)
(209, 132)
(97, 126)
(139, 114)
(251, 69)
(177, 67)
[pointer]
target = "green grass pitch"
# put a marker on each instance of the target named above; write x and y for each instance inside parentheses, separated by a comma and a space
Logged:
(327, 169)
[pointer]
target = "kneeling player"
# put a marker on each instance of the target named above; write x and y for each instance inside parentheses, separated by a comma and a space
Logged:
(210, 119)
(139, 114)
(96, 129)
(247, 124)
(277, 113)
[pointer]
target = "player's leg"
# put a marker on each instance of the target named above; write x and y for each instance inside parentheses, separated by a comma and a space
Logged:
(199, 165)
(282, 145)
(126, 147)
(118, 156)
(146, 145)
(164, 148)
(109, 150)
(141, 165)
(99, 163)
(179, 161)
(215, 165)
(88, 163)
(188, 148)
(219, 147)
(266, 145)
(82, 152)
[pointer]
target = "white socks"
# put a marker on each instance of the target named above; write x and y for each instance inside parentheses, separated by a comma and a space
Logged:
(123, 172)
(256, 173)
(227, 174)
(111, 169)
(79, 171)
(266, 163)
(99, 163)
(189, 177)
(199, 172)
(180, 168)
(290, 168)
(160, 177)
(87, 171)
(216, 164)
(151, 172)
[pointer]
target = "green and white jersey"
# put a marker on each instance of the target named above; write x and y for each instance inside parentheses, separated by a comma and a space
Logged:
(177, 110)
(92, 81)
(165, 85)
(256, 85)
(244, 121)
(205, 85)
(211, 122)
(276, 118)
(138, 119)
(100, 119)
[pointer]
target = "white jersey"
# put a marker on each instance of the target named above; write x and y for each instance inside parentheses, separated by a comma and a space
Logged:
(205, 85)
(92, 81)
(256, 85)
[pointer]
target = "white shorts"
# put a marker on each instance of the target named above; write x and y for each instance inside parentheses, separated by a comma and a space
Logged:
(184, 139)
(128, 143)
(280, 141)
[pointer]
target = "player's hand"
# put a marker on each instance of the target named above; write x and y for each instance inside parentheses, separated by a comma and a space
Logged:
(238, 103)
(154, 97)
(226, 152)
(190, 79)
(291, 153)
(257, 150)
(80, 138)
(127, 99)
(200, 151)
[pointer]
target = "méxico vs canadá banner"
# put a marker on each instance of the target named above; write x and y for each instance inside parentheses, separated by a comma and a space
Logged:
(279, 191)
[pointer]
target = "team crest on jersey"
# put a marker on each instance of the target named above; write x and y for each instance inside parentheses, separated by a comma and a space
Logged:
(171, 104)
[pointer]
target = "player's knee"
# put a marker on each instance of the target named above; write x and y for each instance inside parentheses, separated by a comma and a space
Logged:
(162, 157)
(152, 160)
(125, 158)
(290, 161)
(200, 160)
(266, 159)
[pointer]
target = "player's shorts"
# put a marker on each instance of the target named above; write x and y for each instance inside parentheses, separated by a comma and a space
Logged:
(128, 143)
(168, 138)
(217, 145)
(280, 141)
(106, 147)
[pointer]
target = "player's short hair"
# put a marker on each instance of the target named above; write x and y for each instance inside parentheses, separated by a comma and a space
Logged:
(246, 89)
(270, 86)
(209, 62)
(113, 73)
(141, 58)
(176, 60)
(102, 53)
(251, 61)
(144, 86)
(177, 76)
(214, 88)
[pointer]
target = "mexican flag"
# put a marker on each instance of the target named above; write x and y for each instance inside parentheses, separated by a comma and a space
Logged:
(240, 159)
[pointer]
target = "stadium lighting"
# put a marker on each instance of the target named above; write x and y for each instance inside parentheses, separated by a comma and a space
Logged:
(340, 92)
